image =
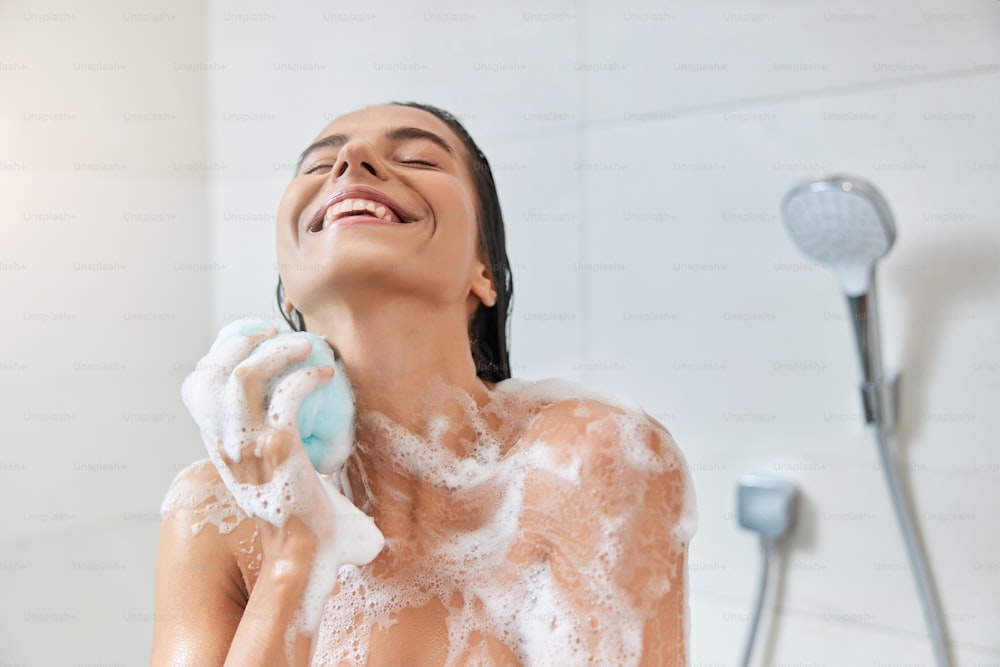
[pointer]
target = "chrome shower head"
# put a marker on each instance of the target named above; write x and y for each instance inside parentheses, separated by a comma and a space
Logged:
(842, 222)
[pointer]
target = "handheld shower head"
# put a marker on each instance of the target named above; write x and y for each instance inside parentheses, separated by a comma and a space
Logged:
(844, 222)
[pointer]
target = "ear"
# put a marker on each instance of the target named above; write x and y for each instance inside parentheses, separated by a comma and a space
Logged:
(287, 307)
(482, 287)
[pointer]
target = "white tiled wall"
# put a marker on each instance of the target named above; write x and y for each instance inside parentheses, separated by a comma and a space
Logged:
(641, 151)
(105, 292)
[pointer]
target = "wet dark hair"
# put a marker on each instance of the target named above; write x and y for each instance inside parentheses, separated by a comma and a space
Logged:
(488, 326)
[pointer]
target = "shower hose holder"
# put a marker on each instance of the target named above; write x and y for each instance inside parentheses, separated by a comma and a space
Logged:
(880, 400)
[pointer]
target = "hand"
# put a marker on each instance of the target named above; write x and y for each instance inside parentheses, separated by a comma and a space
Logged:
(258, 452)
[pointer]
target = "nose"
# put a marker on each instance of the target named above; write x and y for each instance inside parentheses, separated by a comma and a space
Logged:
(356, 155)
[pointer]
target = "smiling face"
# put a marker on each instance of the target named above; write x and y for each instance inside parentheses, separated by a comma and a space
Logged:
(382, 201)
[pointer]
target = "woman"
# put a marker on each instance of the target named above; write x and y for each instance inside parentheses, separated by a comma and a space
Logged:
(524, 523)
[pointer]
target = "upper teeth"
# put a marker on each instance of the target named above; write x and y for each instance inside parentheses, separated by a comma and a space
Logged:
(345, 205)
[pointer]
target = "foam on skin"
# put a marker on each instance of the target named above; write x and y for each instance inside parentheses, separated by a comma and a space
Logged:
(216, 399)
(583, 601)
(576, 606)
(227, 431)
(211, 503)
(325, 417)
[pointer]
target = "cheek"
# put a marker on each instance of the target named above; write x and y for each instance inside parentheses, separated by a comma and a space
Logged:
(288, 204)
(472, 230)
(290, 207)
(468, 208)
(463, 223)
(289, 210)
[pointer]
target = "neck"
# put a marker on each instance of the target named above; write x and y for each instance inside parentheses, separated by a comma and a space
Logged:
(397, 356)
(394, 351)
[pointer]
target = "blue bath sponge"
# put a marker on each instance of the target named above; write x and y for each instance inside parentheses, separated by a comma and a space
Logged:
(326, 417)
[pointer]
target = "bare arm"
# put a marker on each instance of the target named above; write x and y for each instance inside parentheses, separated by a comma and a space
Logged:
(203, 614)
(199, 599)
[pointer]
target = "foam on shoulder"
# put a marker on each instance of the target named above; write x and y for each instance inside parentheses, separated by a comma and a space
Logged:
(545, 494)
(587, 600)
(199, 490)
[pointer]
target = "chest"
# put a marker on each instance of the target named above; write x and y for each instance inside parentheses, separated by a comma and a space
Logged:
(436, 633)
(464, 580)
(398, 611)
(451, 597)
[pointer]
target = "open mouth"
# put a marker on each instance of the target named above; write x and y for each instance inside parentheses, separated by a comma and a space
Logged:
(359, 202)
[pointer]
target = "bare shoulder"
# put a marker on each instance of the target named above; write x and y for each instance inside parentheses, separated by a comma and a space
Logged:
(599, 428)
(203, 522)
(612, 450)
(201, 589)
(198, 495)
(607, 493)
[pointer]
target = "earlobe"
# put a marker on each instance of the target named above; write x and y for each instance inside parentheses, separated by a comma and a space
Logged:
(483, 288)
(287, 307)
(491, 297)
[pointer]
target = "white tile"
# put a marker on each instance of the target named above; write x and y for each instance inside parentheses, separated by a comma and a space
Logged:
(93, 589)
(718, 630)
(846, 558)
(244, 211)
(108, 219)
(502, 69)
(539, 195)
(646, 60)
(696, 280)
(92, 455)
(109, 96)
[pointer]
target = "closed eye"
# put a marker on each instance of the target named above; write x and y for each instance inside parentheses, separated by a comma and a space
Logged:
(421, 163)
(317, 167)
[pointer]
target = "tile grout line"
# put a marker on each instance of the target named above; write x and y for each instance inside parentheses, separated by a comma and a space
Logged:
(587, 124)
(817, 93)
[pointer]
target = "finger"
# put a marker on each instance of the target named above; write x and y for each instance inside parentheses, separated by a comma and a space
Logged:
(202, 389)
(223, 358)
(218, 364)
(251, 377)
(282, 414)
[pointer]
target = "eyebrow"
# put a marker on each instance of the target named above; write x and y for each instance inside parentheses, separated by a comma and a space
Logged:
(393, 134)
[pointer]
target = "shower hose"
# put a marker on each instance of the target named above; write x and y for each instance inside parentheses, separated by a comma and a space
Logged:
(918, 560)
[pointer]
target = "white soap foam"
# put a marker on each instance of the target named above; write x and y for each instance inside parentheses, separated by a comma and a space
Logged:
(208, 503)
(219, 404)
(572, 606)
(577, 615)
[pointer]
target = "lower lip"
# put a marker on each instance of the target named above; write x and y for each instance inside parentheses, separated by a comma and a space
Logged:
(360, 220)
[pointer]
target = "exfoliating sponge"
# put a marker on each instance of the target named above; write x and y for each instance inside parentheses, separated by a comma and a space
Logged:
(326, 416)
